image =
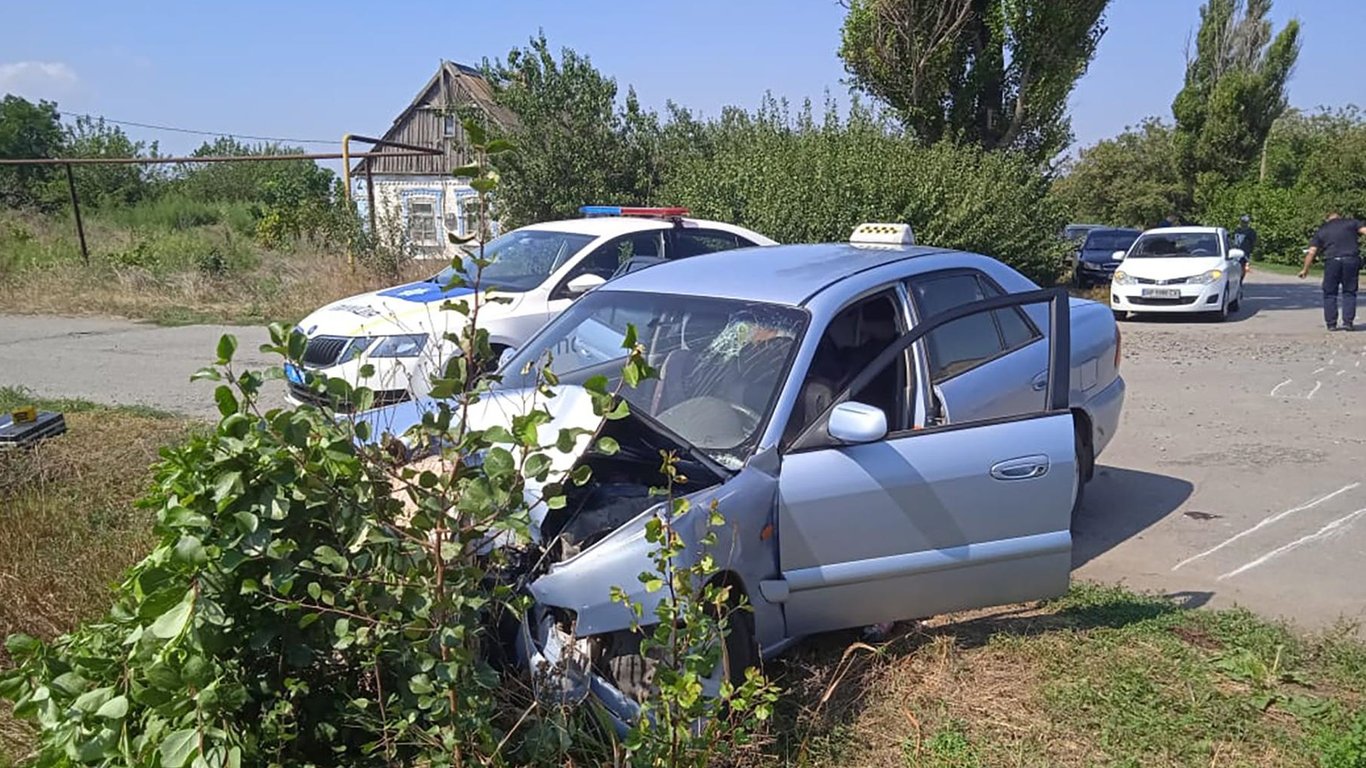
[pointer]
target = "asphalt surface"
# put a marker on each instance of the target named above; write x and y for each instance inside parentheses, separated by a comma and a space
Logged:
(1236, 478)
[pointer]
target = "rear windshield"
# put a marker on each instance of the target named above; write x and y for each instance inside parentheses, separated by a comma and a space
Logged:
(1110, 241)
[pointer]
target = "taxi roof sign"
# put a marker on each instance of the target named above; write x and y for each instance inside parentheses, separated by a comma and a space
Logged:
(883, 234)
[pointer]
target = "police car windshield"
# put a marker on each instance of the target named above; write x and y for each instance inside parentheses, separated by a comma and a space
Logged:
(522, 259)
(1199, 245)
(720, 363)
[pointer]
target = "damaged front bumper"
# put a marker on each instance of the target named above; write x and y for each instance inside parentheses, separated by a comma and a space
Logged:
(561, 667)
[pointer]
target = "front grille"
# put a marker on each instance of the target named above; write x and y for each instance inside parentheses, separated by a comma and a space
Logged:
(322, 398)
(323, 351)
(1163, 302)
(1172, 281)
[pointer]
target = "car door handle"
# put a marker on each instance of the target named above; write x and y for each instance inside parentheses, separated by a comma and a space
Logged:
(1023, 468)
(1040, 382)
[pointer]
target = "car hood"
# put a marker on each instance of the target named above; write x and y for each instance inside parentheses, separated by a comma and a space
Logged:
(571, 408)
(1170, 268)
(408, 308)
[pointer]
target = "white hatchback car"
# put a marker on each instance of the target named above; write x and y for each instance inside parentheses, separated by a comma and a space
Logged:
(539, 269)
(1179, 269)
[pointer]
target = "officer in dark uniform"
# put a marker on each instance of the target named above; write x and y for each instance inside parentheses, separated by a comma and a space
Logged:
(1338, 241)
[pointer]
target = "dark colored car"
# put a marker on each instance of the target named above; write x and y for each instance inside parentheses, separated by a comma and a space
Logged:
(1095, 259)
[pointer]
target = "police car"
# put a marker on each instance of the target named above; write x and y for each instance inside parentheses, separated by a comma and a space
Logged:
(538, 270)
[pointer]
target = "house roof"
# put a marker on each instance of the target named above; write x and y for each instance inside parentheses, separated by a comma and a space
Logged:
(453, 84)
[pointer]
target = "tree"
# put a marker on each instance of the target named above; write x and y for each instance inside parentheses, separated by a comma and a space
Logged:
(1235, 88)
(576, 147)
(28, 130)
(1128, 180)
(996, 73)
(104, 185)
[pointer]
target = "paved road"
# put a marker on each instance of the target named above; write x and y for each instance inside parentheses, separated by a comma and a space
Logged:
(1239, 473)
(1237, 476)
(118, 361)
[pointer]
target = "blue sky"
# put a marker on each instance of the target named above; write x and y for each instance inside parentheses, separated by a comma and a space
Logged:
(310, 69)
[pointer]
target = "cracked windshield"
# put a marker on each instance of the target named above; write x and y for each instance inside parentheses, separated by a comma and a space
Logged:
(720, 362)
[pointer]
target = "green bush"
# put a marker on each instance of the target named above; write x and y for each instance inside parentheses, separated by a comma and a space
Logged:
(1284, 218)
(803, 180)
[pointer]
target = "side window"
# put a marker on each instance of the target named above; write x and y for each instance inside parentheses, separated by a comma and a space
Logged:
(608, 257)
(852, 339)
(964, 344)
(694, 242)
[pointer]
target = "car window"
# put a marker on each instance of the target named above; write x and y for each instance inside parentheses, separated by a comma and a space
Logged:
(966, 343)
(607, 258)
(1110, 241)
(694, 242)
(1168, 245)
(852, 339)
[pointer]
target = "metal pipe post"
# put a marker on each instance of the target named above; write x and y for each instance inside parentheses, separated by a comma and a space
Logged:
(76, 208)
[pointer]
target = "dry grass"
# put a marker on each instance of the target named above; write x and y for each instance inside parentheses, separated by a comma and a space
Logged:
(1102, 677)
(68, 526)
(283, 287)
(210, 273)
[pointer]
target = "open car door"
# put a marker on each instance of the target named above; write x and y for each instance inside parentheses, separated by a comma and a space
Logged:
(877, 527)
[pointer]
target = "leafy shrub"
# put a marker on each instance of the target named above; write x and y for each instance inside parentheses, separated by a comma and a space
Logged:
(803, 180)
(1284, 218)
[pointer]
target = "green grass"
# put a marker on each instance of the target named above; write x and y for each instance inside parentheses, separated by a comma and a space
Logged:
(67, 520)
(1284, 269)
(1102, 676)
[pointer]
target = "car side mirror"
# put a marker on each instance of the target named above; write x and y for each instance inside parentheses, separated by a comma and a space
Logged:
(583, 284)
(1117, 256)
(857, 423)
(1236, 254)
(507, 355)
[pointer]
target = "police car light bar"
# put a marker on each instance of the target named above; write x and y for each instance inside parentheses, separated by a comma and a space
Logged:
(620, 210)
(883, 234)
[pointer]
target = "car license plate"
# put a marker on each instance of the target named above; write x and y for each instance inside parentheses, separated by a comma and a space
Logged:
(293, 373)
(1161, 293)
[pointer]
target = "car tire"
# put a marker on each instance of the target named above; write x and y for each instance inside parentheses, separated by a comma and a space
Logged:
(1237, 303)
(634, 674)
(1120, 315)
(1222, 313)
(1084, 462)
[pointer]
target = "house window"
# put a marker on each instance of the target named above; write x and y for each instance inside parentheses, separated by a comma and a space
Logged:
(422, 221)
(448, 126)
(469, 217)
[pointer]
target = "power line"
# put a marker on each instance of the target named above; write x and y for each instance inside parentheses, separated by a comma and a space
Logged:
(173, 129)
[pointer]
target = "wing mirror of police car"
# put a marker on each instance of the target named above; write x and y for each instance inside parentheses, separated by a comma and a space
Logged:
(1117, 256)
(583, 284)
(856, 423)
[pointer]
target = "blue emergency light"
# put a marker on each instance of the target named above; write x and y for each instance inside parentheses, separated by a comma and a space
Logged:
(621, 210)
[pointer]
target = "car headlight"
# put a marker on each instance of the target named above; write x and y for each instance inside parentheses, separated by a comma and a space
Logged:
(1209, 277)
(1122, 278)
(408, 345)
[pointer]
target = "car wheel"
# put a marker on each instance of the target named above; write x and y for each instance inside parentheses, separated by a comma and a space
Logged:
(1084, 462)
(1222, 315)
(1120, 315)
(634, 674)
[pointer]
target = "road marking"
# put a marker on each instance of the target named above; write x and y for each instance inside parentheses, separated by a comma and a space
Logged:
(1325, 532)
(1277, 387)
(1267, 521)
(1319, 370)
(1310, 396)
(1339, 373)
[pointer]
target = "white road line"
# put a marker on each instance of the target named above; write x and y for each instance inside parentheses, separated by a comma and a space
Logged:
(1319, 370)
(1340, 372)
(1322, 533)
(1310, 396)
(1277, 387)
(1267, 521)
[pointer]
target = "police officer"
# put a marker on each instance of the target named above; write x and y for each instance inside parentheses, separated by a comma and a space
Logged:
(1338, 241)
